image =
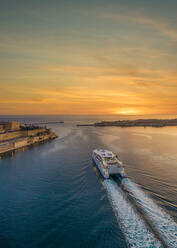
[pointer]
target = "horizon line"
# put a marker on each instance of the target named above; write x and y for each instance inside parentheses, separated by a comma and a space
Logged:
(81, 114)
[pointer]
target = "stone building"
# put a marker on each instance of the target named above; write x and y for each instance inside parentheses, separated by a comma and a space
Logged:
(12, 126)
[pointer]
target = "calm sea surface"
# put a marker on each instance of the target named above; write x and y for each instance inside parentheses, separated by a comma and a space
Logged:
(52, 195)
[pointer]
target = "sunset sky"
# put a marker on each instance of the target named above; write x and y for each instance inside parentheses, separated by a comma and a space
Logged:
(88, 57)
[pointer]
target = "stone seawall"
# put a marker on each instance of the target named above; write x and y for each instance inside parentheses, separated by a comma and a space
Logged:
(11, 135)
(18, 134)
(21, 142)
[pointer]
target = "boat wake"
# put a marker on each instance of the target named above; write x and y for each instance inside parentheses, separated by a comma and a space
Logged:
(133, 226)
(163, 224)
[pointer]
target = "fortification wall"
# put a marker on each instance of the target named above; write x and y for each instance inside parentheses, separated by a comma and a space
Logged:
(20, 143)
(18, 134)
(35, 131)
(12, 145)
(11, 135)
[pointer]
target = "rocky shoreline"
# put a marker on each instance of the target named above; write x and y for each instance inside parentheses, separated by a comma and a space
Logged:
(135, 123)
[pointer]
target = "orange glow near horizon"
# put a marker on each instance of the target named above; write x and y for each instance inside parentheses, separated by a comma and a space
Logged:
(128, 112)
(88, 59)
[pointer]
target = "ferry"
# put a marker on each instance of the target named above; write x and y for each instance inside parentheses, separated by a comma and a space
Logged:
(108, 163)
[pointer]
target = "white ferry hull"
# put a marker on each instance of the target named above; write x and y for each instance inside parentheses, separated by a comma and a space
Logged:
(107, 169)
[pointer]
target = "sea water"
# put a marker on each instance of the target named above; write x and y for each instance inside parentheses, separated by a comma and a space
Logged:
(53, 196)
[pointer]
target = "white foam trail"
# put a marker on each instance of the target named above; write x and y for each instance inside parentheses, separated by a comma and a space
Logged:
(161, 221)
(134, 228)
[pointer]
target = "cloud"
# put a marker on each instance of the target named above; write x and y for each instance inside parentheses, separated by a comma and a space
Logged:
(98, 90)
(89, 100)
(158, 25)
(138, 18)
(138, 76)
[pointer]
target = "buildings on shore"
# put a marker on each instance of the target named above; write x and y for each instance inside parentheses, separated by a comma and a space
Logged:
(9, 126)
(13, 136)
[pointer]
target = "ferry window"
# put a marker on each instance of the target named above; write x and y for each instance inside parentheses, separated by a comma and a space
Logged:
(98, 157)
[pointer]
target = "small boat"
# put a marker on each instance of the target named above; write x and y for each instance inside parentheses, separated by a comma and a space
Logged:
(108, 163)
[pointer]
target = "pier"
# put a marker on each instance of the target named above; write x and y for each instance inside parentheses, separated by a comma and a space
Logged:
(49, 122)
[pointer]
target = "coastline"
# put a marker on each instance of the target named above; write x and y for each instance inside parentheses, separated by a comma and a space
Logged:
(134, 123)
(8, 151)
(23, 136)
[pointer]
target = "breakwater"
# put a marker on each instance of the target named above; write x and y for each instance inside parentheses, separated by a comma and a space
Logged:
(49, 122)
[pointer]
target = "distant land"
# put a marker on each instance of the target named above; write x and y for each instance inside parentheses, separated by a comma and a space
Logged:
(135, 123)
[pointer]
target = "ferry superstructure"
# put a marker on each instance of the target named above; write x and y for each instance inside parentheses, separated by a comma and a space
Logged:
(108, 163)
